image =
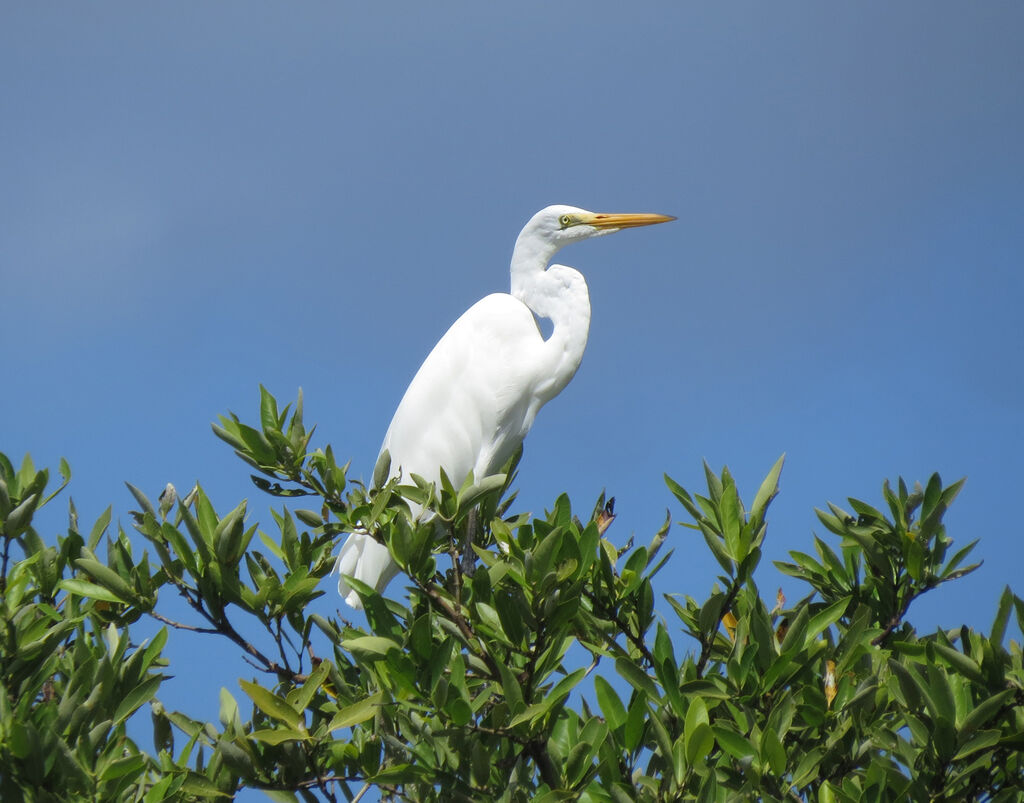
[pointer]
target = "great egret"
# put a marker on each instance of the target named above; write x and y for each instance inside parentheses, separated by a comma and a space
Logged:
(476, 395)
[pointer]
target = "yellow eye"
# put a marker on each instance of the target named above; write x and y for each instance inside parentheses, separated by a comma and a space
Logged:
(565, 220)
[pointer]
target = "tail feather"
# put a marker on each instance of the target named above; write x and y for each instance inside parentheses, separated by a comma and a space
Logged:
(367, 560)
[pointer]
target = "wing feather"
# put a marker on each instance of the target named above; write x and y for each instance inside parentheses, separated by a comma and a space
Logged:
(472, 401)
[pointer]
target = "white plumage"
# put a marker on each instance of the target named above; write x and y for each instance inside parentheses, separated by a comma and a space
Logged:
(478, 392)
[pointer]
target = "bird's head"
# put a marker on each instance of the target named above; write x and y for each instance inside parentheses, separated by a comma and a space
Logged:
(562, 224)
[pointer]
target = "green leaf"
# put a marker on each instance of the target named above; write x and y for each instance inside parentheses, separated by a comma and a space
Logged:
(718, 549)
(980, 741)
(382, 469)
(98, 529)
(611, 706)
(769, 488)
(699, 742)
(733, 743)
(825, 618)
(773, 754)
(1002, 617)
(228, 535)
(130, 764)
(932, 495)
(961, 663)
(86, 589)
(356, 712)
(22, 740)
(636, 719)
(228, 435)
(304, 694)
(268, 410)
(202, 786)
(984, 711)
(958, 558)
(567, 684)
(696, 714)
(705, 688)
(714, 483)
(459, 711)
(795, 637)
(699, 737)
(589, 743)
(277, 735)
(65, 474)
(309, 517)
(732, 522)
(480, 763)
(19, 518)
(914, 556)
(141, 498)
(370, 645)
(807, 769)
(109, 579)
(469, 496)
(272, 705)
(657, 728)
(229, 716)
(142, 693)
(553, 698)
(636, 677)
(511, 689)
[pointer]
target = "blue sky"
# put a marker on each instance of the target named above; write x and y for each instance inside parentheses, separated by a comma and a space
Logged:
(194, 202)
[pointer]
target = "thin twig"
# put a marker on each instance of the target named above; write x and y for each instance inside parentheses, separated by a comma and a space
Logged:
(222, 626)
(181, 625)
(456, 568)
(539, 645)
(468, 562)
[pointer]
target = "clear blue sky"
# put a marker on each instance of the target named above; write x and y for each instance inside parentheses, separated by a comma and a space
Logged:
(194, 202)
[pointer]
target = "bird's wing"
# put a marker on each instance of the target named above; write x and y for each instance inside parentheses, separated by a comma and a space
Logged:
(472, 401)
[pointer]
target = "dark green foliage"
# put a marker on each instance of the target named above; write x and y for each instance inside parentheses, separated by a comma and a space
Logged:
(534, 667)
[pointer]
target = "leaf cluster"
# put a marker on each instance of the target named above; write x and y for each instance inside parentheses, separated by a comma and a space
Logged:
(526, 658)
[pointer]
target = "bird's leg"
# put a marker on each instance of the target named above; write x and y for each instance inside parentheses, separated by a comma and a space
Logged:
(468, 562)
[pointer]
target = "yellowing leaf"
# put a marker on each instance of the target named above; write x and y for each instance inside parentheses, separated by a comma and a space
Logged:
(730, 624)
(830, 682)
(780, 602)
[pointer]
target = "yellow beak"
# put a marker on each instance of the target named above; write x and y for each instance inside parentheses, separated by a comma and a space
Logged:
(603, 221)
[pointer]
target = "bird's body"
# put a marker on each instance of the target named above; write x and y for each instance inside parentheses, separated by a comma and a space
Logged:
(474, 398)
(478, 392)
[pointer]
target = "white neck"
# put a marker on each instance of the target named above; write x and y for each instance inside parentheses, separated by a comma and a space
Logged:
(560, 294)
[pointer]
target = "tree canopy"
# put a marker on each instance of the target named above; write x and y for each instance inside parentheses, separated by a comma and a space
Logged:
(524, 658)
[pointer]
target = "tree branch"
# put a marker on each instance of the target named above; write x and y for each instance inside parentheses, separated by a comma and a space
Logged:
(463, 625)
(707, 644)
(3, 570)
(545, 766)
(636, 639)
(897, 620)
(222, 626)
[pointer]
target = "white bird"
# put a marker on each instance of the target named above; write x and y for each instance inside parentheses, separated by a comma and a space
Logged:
(476, 395)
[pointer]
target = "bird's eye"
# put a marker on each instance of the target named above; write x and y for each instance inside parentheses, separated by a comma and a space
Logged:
(565, 220)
